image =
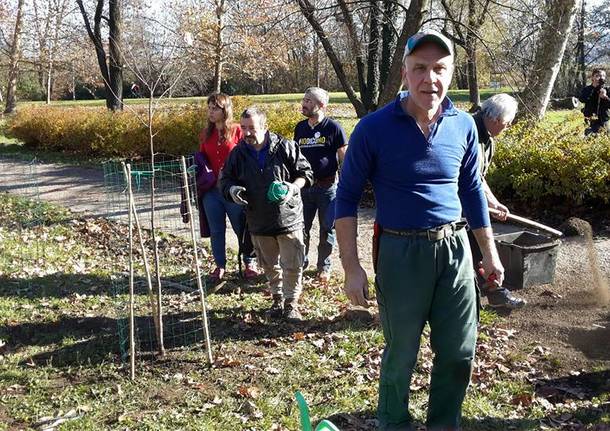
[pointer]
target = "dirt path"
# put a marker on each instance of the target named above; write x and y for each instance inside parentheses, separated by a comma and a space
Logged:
(567, 317)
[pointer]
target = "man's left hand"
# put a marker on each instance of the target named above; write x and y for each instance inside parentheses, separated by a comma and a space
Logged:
(293, 190)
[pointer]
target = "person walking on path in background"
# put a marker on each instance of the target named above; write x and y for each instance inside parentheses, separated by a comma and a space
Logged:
(216, 142)
(597, 103)
(496, 114)
(265, 173)
(323, 142)
(421, 155)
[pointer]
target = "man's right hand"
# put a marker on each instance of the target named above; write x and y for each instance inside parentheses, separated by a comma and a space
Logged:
(237, 194)
(356, 286)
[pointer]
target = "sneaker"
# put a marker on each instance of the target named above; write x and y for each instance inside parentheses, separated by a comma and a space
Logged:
(501, 298)
(324, 276)
(277, 307)
(216, 275)
(251, 271)
(291, 311)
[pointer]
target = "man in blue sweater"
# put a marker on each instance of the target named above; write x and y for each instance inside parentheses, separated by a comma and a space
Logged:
(420, 154)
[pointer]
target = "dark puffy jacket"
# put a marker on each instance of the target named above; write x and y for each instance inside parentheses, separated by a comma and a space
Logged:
(284, 163)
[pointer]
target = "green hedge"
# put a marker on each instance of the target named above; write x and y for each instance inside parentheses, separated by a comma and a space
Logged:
(550, 164)
(97, 132)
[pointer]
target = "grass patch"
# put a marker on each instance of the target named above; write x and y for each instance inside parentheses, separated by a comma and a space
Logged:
(59, 351)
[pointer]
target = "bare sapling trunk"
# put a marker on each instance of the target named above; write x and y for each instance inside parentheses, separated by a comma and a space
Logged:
(151, 136)
(132, 323)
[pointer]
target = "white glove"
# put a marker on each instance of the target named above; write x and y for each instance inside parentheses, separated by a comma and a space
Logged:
(237, 194)
(293, 190)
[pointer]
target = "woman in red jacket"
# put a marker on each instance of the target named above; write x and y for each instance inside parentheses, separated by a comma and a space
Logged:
(216, 142)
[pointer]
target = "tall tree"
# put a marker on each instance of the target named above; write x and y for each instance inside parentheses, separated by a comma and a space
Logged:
(49, 16)
(219, 45)
(15, 56)
(111, 63)
(370, 58)
(552, 42)
(466, 34)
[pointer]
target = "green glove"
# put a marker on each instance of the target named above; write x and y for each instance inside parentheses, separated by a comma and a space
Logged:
(277, 191)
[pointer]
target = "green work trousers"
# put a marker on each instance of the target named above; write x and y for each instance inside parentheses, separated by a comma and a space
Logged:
(421, 281)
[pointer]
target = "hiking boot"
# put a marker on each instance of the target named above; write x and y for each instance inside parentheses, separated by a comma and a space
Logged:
(251, 271)
(501, 298)
(216, 275)
(324, 276)
(277, 307)
(291, 311)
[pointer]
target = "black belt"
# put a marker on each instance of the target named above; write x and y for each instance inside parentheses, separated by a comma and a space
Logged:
(325, 182)
(432, 234)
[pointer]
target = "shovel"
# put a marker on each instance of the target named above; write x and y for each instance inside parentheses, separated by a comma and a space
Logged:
(306, 421)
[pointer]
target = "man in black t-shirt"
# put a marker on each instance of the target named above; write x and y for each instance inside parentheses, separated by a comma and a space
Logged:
(323, 142)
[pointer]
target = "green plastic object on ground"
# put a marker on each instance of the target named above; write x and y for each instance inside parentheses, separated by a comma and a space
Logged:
(306, 421)
(276, 192)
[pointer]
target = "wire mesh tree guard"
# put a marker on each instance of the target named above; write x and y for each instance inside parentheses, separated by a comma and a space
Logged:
(167, 307)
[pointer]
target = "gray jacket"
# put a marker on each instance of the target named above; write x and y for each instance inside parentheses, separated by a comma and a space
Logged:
(284, 162)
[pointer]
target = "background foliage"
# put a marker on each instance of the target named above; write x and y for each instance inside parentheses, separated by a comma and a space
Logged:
(552, 164)
(97, 132)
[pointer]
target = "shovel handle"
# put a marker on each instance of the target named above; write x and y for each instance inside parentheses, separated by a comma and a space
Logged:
(527, 222)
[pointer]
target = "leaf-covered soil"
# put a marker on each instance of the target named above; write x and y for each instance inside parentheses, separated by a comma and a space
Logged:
(63, 297)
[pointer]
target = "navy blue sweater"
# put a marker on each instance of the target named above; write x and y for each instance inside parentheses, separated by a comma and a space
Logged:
(419, 183)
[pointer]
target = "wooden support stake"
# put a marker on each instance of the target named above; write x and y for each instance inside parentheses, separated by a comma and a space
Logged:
(204, 316)
(151, 294)
(132, 330)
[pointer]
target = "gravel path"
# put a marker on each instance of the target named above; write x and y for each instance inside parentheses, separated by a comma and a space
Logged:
(570, 316)
(82, 191)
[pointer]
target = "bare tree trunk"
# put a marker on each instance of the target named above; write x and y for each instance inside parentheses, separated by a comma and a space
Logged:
(471, 55)
(549, 54)
(73, 82)
(374, 55)
(580, 48)
(316, 60)
(308, 11)
(389, 37)
(15, 56)
(471, 70)
(112, 74)
(115, 29)
(413, 21)
(219, 45)
(49, 72)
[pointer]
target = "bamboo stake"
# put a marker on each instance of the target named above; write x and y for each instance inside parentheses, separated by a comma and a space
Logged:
(151, 294)
(204, 316)
(132, 337)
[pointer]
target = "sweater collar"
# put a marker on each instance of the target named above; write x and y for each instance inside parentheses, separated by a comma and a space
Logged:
(448, 107)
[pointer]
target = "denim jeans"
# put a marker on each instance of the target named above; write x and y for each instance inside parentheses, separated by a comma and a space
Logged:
(217, 208)
(317, 199)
